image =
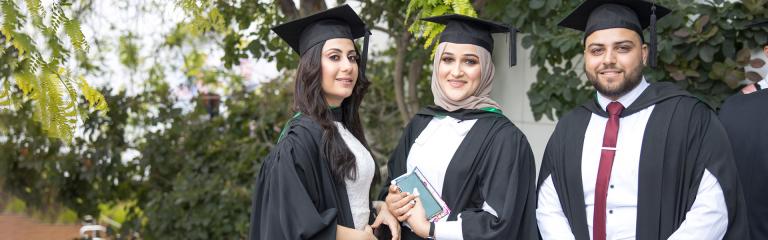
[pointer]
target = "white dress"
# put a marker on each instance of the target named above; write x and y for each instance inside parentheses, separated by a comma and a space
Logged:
(358, 190)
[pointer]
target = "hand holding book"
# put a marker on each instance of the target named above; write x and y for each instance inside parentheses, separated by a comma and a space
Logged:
(413, 182)
(399, 203)
(418, 219)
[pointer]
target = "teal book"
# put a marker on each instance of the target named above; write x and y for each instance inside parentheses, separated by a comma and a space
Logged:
(434, 206)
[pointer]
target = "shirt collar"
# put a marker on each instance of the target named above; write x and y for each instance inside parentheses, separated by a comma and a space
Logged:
(627, 99)
(763, 83)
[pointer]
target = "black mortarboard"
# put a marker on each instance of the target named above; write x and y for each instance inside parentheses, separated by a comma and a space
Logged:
(339, 22)
(636, 15)
(468, 30)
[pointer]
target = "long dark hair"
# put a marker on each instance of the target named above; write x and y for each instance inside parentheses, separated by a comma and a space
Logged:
(308, 99)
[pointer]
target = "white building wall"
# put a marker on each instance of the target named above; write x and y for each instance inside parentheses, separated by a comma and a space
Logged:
(510, 87)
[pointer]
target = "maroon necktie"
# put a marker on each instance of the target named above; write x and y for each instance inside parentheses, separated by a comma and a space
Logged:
(604, 171)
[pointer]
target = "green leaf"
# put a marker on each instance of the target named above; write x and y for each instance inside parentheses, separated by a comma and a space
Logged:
(72, 28)
(699, 24)
(23, 43)
(10, 18)
(536, 4)
(706, 53)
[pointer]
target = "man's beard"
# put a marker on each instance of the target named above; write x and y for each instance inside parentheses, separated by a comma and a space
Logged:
(631, 80)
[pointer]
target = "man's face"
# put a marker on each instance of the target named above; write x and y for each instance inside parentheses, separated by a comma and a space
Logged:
(614, 60)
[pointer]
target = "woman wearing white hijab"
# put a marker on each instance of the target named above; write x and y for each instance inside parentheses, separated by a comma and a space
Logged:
(479, 163)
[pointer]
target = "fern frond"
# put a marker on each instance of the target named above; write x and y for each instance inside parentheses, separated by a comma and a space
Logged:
(463, 7)
(66, 120)
(54, 107)
(196, 8)
(58, 51)
(10, 18)
(72, 28)
(23, 43)
(50, 86)
(440, 10)
(26, 81)
(41, 113)
(5, 96)
(34, 7)
(430, 8)
(411, 6)
(35, 63)
(94, 98)
(57, 17)
(59, 117)
(66, 81)
(217, 20)
(434, 32)
(35, 11)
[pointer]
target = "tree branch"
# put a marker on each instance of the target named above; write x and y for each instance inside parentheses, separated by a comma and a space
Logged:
(288, 8)
(311, 6)
(402, 43)
(414, 75)
(385, 30)
(479, 6)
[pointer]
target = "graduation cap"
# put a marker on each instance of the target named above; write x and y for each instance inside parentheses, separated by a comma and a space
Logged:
(339, 22)
(468, 30)
(636, 15)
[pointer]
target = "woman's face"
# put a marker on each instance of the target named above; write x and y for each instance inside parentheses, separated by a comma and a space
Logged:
(339, 69)
(459, 71)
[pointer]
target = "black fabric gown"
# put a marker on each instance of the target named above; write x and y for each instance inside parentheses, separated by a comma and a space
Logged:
(682, 138)
(493, 164)
(295, 195)
(745, 118)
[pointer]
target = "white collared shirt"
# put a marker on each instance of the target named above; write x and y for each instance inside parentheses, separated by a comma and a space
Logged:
(763, 83)
(708, 213)
(432, 152)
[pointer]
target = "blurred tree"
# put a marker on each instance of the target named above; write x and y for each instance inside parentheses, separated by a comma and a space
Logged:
(39, 71)
(51, 177)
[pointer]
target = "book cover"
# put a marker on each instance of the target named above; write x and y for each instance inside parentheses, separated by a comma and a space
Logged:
(434, 206)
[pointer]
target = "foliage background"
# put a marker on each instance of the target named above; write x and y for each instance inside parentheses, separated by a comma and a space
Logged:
(164, 167)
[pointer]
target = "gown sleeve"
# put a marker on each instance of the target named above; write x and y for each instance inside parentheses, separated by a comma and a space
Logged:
(508, 187)
(283, 206)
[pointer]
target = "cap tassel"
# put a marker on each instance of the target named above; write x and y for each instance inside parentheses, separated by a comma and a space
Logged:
(652, 55)
(512, 47)
(364, 58)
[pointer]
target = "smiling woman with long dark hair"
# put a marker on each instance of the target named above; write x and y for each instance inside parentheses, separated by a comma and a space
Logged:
(316, 182)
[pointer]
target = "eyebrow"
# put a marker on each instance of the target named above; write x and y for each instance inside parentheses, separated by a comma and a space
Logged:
(615, 43)
(339, 50)
(466, 54)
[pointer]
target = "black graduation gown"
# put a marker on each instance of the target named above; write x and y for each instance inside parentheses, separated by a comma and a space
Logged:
(493, 163)
(682, 138)
(745, 118)
(295, 195)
